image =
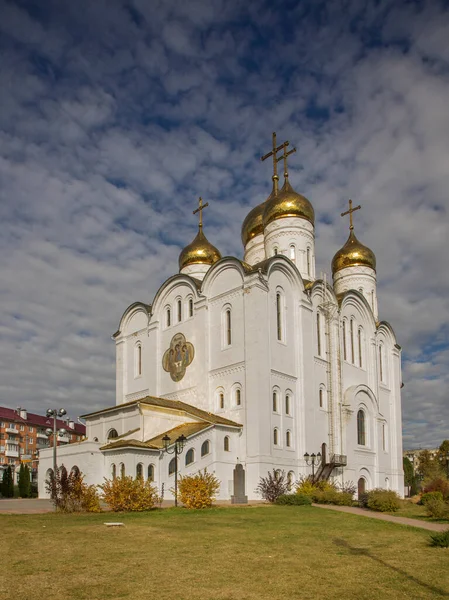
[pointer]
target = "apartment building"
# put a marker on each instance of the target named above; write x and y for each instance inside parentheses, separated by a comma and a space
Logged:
(23, 435)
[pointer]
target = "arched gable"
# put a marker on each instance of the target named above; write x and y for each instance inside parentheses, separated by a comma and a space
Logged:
(358, 302)
(212, 284)
(316, 293)
(169, 286)
(351, 394)
(282, 264)
(385, 330)
(135, 318)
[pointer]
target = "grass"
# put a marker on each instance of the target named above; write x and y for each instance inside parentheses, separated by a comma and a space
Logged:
(252, 553)
(415, 511)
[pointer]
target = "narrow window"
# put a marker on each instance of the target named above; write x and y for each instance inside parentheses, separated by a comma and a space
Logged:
(359, 338)
(122, 470)
(287, 404)
(384, 441)
(321, 398)
(372, 300)
(221, 400)
(179, 311)
(318, 332)
(172, 466)
(190, 457)
(275, 402)
(344, 341)
(361, 438)
(138, 360)
(226, 444)
(352, 341)
(275, 437)
(275, 251)
(168, 317)
(292, 253)
(150, 472)
(113, 471)
(190, 307)
(112, 434)
(308, 261)
(279, 316)
(381, 371)
(205, 448)
(139, 471)
(228, 328)
(288, 439)
(238, 397)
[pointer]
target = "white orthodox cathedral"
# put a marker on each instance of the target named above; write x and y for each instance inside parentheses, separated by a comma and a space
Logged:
(256, 362)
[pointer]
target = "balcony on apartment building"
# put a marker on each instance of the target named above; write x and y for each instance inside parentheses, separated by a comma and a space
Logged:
(41, 435)
(12, 453)
(12, 430)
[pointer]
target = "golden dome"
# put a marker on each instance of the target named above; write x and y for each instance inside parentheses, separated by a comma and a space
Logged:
(353, 254)
(288, 203)
(253, 223)
(200, 251)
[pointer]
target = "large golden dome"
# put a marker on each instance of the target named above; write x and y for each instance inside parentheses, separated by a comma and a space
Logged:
(200, 251)
(353, 254)
(253, 223)
(288, 203)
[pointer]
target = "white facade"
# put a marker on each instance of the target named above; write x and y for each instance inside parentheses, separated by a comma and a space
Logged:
(281, 366)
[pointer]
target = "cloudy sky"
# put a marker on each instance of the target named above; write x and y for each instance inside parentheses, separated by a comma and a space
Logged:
(116, 115)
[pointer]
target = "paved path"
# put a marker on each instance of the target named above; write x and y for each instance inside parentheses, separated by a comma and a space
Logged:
(25, 506)
(363, 512)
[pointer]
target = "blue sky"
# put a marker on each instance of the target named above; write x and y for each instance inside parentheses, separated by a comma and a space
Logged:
(115, 116)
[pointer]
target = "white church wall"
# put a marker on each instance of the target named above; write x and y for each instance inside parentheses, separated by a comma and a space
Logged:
(156, 422)
(126, 419)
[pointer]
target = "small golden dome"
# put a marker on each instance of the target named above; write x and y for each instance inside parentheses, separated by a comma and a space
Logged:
(253, 223)
(353, 254)
(288, 203)
(200, 251)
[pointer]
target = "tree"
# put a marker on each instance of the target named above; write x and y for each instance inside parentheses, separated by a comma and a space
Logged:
(24, 481)
(443, 456)
(428, 466)
(409, 476)
(8, 484)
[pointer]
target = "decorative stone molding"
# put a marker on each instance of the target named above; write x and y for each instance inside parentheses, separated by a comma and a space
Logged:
(226, 296)
(229, 370)
(284, 376)
(181, 395)
(137, 395)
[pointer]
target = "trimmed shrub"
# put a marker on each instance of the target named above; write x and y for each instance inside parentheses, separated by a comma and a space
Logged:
(198, 491)
(437, 508)
(333, 497)
(437, 485)
(383, 500)
(125, 494)
(430, 496)
(363, 500)
(440, 539)
(294, 500)
(305, 486)
(272, 486)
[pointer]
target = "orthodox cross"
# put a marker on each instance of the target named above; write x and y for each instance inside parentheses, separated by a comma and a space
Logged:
(200, 209)
(273, 153)
(349, 212)
(284, 158)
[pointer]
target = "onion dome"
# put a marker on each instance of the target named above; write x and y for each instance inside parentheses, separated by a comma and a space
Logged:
(200, 251)
(287, 203)
(253, 223)
(353, 254)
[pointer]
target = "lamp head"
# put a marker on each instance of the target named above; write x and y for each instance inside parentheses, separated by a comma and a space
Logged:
(62, 412)
(181, 441)
(166, 441)
(48, 432)
(50, 412)
(306, 455)
(62, 432)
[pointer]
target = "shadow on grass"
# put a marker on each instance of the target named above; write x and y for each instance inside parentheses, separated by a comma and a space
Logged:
(364, 552)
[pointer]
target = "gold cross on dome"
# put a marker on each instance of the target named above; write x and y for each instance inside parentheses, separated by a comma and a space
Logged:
(275, 149)
(349, 212)
(284, 158)
(200, 209)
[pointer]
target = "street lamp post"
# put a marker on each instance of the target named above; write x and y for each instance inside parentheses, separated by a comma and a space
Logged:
(447, 463)
(313, 459)
(55, 413)
(177, 449)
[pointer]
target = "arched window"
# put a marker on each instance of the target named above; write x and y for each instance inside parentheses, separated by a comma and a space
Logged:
(122, 470)
(308, 261)
(75, 471)
(238, 397)
(292, 253)
(345, 356)
(172, 466)
(205, 448)
(221, 398)
(288, 439)
(275, 436)
(372, 300)
(351, 326)
(361, 487)
(287, 404)
(226, 443)
(318, 332)
(359, 340)
(179, 303)
(279, 316)
(290, 480)
(384, 437)
(228, 324)
(361, 437)
(321, 398)
(112, 434)
(190, 307)
(381, 366)
(190, 457)
(139, 471)
(168, 317)
(275, 251)
(275, 402)
(138, 359)
(150, 472)
(113, 471)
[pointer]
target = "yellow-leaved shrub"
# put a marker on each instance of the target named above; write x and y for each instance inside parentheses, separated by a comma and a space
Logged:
(128, 494)
(198, 491)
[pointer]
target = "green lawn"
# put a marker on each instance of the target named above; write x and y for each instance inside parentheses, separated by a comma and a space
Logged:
(415, 511)
(251, 553)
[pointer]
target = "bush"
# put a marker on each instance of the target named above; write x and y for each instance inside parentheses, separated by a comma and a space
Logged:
(437, 485)
(333, 497)
(24, 481)
(69, 493)
(272, 486)
(440, 539)
(437, 508)
(125, 494)
(383, 500)
(348, 487)
(311, 488)
(430, 496)
(7, 487)
(198, 491)
(305, 486)
(294, 500)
